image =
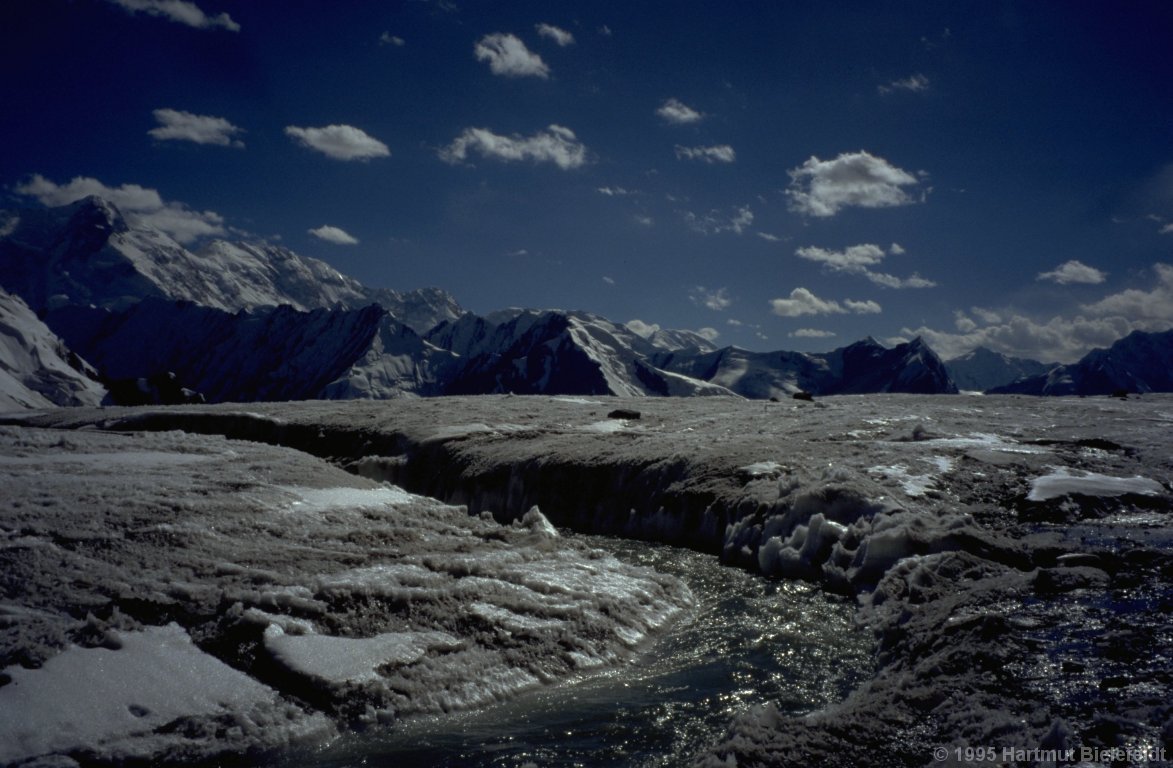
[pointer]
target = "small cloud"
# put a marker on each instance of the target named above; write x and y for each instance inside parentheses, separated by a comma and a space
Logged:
(139, 205)
(556, 144)
(608, 280)
(1167, 229)
(856, 259)
(179, 11)
(201, 129)
(341, 142)
(811, 333)
(857, 179)
(508, 56)
(640, 328)
(708, 334)
(722, 153)
(677, 112)
(394, 40)
(643, 221)
(896, 249)
(769, 238)
(605, 31)
(557, 34)
(613, 191)
(716, 300)
(1074, 272)
(333, 235)
(8, 223)
(803, 302)
(917, 83)
(715, 223)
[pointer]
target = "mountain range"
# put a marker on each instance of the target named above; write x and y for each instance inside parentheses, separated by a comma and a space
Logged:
(1140, 362)
(248, 321)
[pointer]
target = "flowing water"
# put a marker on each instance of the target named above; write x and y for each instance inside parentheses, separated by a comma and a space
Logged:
(749, 641)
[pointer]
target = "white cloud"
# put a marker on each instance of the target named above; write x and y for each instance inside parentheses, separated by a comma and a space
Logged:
(341, 142)
(8, 223)
(769, 238)
(202, 129)
(914, 84)
(708, 334)
(644, 221)
(1167, 229)
(676, 111)
(722, 153)
(557, 34)
(333, 235)
(1063, 338)
(804, 302)
(811, 333)
(858, 179)
(856, 259)
(138, 204)
(556, 144)
(608, 280)
(508, 56)
(716, 300)
(640, 328)
(180, 11)
(614, 191)
(1074, 271)
(389, 39)
(715, 222)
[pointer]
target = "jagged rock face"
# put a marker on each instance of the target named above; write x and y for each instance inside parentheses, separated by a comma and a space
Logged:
(984, 369)
(274, 354)
(863, 367)
(37, 370)
(1140, 362)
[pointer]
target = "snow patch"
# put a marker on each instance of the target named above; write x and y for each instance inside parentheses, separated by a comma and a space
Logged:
(347, 660)
(112, 701)
(1064, 482)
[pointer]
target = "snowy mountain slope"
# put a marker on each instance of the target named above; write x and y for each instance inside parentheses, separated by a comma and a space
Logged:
(863, 367)
(552, 352)
(983, 369)
(1140, 362)
(36, 368)
(87, 253)
(269, 354)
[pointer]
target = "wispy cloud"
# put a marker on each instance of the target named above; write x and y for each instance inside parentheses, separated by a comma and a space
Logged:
(917, 83)
(179, 11)
(1065, 337)
(139, 204)
(557, 34)
(1074, 271)
(716, 300)
(715, 222)
(556, 144)
(341, 142)
(614, 191)
(722, 153)
(857, 259)
(202, 129)
(333, 235)
(803, 302)
(508, 56)
(676, 111)
(393, 40)
(811, 333)
(856, 179)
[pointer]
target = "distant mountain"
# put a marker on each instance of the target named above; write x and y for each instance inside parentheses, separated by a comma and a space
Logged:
(268, 354)
(86, 254)
(247, 321)
(860, 368)
(36, 368)
(1140, 362)
(554, 352)
(984, 369)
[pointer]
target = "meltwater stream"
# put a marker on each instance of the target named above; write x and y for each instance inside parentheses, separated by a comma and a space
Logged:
(748, 641)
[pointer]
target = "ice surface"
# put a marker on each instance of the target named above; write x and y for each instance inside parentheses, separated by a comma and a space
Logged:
(340, 660)
(998, 614)
(113, 701)
(1064, 482)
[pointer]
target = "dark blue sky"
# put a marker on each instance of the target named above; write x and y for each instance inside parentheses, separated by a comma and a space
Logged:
(785, 175)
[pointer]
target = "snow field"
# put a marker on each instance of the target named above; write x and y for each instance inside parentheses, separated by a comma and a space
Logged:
(314, 598)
